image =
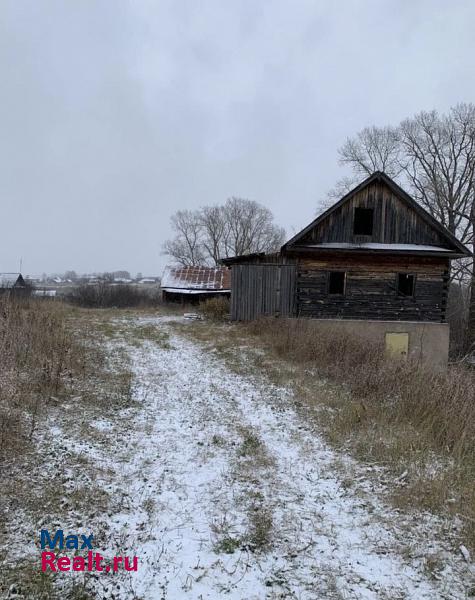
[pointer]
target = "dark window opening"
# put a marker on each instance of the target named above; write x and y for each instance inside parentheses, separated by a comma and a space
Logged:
(363, 221)
(336, 282)
(405, 284)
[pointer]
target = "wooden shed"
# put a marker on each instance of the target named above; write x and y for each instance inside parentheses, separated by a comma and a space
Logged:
(376, 254)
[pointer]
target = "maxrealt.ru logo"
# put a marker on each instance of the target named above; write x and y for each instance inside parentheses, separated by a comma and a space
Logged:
(91, 561)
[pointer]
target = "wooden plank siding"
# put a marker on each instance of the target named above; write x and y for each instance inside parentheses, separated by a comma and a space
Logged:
(262, 290)
(393, 222)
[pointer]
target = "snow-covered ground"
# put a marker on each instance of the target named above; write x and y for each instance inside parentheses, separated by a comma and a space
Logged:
(222, 490)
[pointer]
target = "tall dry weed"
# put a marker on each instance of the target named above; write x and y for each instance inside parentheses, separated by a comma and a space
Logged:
(38, 356)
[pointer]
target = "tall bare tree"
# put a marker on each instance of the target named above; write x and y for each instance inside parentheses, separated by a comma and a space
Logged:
(373, 149)
(439, 164)
(213, 232)
(186, 247)
(433, 156)
(250, 228)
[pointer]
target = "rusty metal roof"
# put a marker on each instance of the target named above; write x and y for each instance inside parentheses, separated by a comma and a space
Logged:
(206, 279)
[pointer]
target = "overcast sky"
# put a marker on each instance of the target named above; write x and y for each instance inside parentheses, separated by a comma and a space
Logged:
(115, 114)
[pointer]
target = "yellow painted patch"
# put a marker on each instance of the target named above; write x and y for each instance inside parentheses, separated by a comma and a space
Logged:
(397, 344)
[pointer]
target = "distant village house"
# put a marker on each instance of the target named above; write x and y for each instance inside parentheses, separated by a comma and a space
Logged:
(12, 283)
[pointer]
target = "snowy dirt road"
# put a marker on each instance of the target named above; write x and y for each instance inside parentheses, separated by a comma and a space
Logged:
(223, 491)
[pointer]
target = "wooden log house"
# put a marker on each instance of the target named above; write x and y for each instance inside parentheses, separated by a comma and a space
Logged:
(374, 255)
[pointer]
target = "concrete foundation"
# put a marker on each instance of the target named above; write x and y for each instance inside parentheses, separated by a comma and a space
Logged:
(426, 343)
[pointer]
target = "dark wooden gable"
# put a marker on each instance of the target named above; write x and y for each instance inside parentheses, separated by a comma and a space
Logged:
(20, 282)
(397, 219)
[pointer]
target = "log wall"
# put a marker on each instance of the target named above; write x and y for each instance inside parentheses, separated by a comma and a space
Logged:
(371, 289)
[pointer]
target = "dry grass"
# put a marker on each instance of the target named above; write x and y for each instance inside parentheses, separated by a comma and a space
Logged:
(215, 309)
(40, 358)
(54, 368)
(36, 585)
(398, 414)
(261, 522)
(438, 405)
(253, 466)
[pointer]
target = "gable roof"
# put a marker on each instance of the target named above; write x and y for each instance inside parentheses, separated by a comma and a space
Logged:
(196, 279)
(9, 280)
(455, 247)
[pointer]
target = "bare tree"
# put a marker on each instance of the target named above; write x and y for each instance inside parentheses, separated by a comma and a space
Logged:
(373, 149)
(213, 230)
(433, 156)
(238, 227)
(439, 164)
(250, 228)
(186, 247)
